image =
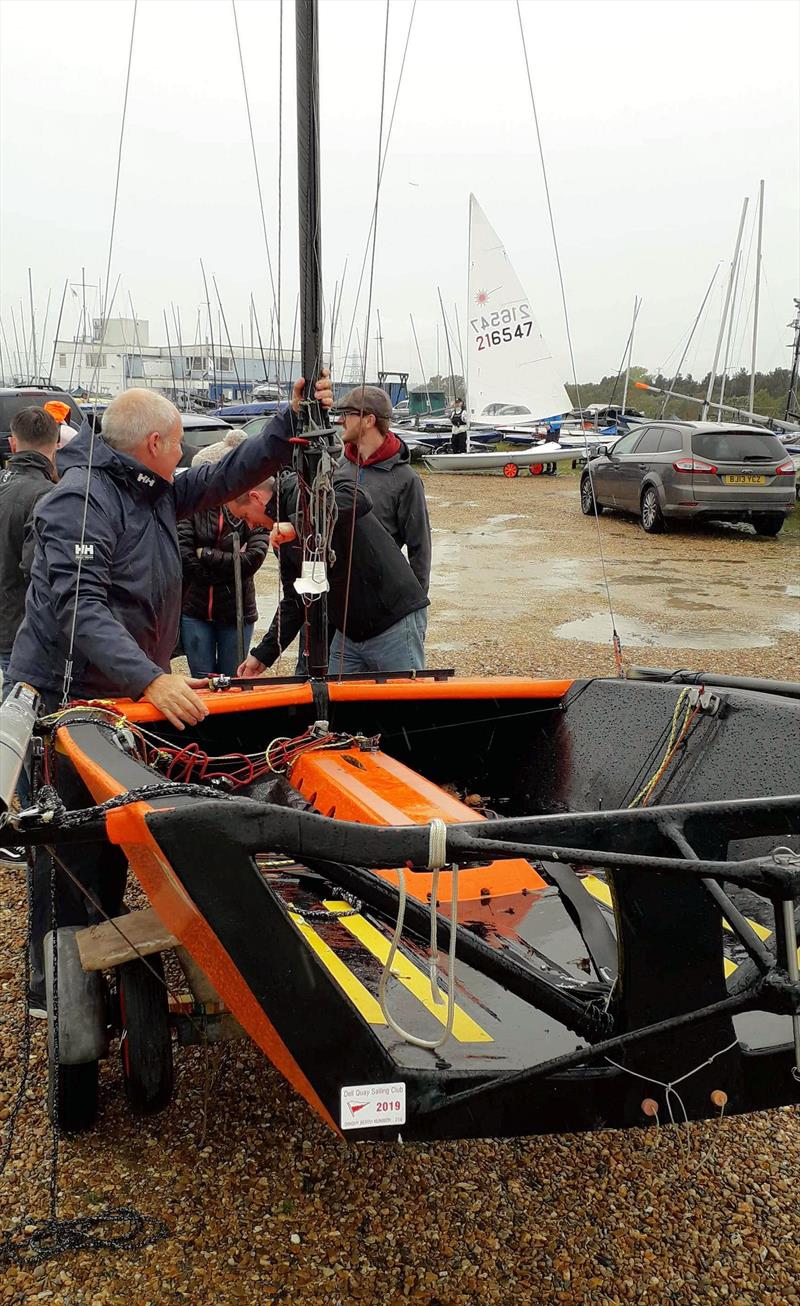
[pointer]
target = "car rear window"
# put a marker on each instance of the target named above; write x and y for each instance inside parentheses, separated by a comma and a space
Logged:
(738, 446)
(200, 436)
(10, 405)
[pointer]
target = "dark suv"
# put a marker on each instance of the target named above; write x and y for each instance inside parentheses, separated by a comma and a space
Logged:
(29, 396)
(682, 470)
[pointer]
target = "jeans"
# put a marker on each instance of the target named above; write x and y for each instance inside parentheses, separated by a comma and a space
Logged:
(400, 648)
(23, 785)
(211, 646)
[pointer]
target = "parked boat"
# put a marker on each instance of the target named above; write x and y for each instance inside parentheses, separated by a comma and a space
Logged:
(509, 461)
(513, 379)
(304, 846)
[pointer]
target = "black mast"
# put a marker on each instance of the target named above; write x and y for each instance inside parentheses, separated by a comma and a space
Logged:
(314, 425)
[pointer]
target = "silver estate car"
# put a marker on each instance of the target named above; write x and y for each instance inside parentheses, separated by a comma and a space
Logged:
(683, 470)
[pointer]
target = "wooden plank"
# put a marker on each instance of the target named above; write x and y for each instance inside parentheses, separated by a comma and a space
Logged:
(102, 946)
(205, 993)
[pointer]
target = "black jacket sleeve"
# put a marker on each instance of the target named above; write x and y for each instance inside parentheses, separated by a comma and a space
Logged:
(415, 526)
(187, 539)
(245, 466)
(290, 615)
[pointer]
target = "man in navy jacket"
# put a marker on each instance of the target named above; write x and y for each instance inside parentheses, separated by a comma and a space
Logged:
(104, 602)
(107, 597)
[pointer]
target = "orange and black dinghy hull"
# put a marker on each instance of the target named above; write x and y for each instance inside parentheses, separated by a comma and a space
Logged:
(588, 931)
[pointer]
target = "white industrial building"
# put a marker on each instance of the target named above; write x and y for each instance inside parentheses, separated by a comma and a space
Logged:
(125, 358)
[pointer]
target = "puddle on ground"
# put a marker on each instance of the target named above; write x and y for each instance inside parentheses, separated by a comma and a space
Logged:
(506, 516)
(637, 634)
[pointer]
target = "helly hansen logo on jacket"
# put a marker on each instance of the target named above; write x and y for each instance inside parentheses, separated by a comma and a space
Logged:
(146, 480)
(84, 552)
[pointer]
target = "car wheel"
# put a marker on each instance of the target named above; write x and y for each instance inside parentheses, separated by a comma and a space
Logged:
(511, 470)
(588, 501)
(768, 523)
(651, 516)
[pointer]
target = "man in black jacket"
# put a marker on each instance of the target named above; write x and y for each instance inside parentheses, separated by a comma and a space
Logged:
(376, 605)
(29, 473)
(379, 461)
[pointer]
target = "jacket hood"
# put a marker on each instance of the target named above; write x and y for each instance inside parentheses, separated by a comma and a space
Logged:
(111, 461)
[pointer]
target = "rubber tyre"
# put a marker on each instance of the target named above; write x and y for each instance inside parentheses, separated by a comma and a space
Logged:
(77, 1096)
(768, 523)
(650, 515)
(536, 469)
(146, 1041)
(511, 470)
(587, 505)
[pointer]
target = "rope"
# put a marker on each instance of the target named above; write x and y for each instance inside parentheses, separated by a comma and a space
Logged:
(253, 148)
(374, 232)
(35, 1240)
(280, 195)
(617, 643)
(669, 1086)
(429, 1044)
(383, 165)
(105, 309)
(677, 735)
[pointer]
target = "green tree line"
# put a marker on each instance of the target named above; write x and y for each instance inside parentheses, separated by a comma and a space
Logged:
(771, 389)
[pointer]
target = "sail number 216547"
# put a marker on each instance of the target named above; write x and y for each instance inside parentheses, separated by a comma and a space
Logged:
(501, 326)
(521, 331)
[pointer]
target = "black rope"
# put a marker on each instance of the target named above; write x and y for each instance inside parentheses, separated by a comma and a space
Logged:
(32, 1240)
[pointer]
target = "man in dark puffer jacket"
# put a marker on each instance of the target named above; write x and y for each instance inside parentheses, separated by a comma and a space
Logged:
(208, 616)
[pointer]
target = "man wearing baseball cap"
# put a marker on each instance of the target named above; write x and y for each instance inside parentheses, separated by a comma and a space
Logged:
(378, 461)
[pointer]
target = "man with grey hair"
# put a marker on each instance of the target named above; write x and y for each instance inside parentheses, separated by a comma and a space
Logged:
(104, 602)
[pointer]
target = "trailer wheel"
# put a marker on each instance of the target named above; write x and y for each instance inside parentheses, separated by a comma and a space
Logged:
(511, 470)
(536, 469)
(146, 1039)
(75, 1089)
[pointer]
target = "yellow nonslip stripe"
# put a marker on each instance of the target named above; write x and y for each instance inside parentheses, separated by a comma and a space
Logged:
(600, 890)
(360, 996)
(465, 1029)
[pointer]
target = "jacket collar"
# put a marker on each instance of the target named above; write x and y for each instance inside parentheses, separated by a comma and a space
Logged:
(146, 484)
(30, 460)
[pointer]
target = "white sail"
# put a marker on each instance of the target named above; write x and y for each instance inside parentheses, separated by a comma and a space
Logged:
(510, 365)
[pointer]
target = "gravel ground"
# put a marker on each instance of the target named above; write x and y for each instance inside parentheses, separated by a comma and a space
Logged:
(263, 1204)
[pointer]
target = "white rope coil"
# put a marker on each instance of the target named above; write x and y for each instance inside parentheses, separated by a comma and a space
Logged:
(437, 847)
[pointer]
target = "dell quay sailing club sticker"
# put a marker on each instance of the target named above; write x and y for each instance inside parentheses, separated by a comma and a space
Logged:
(369, 1106)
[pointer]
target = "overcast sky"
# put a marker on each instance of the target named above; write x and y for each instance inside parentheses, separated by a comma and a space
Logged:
(657, 119)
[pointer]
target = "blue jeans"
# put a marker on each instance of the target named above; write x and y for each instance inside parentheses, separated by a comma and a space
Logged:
(23, 784)
(400, 648)
(211, 647)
